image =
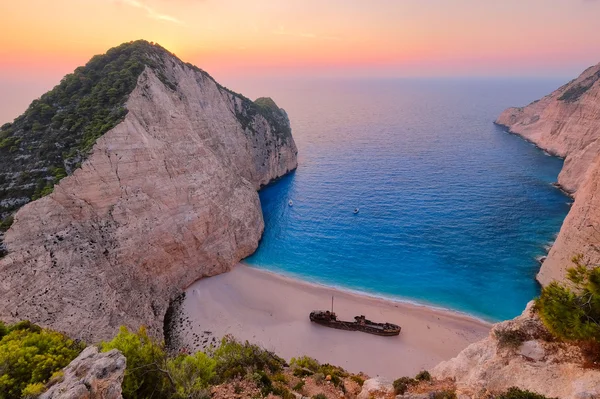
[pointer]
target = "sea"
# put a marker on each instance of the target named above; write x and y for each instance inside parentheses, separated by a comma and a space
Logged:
(453, 211)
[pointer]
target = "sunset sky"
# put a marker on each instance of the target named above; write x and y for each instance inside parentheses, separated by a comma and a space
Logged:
(42, 40)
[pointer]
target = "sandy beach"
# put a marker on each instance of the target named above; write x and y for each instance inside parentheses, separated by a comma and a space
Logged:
(272, 310)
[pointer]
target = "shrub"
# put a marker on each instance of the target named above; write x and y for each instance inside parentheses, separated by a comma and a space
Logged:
(6, 223)
(305, 362)
(336, 373)
(318, 378)
(443, 395)
(319, 396)
(423, 376)
(299, 386)
(508, 338)
(359, 380)
(29, 355)
(573, 313)
(191, 374)
(3, 329)
(402, 384)
(280, 377)
(146, 374)
(234, 359)
(282, 391)
(517, 393)
(33, 390)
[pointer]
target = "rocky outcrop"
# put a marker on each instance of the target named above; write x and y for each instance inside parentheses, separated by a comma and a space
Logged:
(520, 353)
(166, 197)
(567, 123)
(376, 387)
(92, 375)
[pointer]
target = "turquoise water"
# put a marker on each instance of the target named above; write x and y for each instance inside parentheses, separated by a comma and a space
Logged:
(453, 210)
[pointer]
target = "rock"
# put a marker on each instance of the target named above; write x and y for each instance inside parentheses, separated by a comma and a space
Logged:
(414, 396)
(567, 123)
(377, 387)
(533, 350)
(91, 375)
(166, 197)
(547, 368)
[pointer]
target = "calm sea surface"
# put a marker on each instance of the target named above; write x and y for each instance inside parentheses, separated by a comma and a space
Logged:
(453, 210)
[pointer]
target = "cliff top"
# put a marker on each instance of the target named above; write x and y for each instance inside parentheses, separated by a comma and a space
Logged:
(56, 133)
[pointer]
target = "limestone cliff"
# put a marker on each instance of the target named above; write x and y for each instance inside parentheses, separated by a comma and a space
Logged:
(567, 123)
(92, 375)
(167, 196)
(521, 353)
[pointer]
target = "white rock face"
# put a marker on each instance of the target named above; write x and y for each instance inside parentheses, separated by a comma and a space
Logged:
(378, 386)
(168, 196)
(569, 128)
(92, 375)
(551, 369)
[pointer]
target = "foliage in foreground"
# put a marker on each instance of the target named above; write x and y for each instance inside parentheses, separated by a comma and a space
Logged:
(151, 372)
(573, 312)
(235, 359)
(307, 366)
(517, 393)
(29, 355)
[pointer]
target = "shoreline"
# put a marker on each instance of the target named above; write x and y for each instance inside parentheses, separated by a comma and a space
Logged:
(367, 295)
(272, 310)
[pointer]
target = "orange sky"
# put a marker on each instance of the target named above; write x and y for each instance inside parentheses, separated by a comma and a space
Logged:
(42, 40)
(390, 37)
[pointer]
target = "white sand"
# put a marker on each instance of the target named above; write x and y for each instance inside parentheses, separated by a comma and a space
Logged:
(272, 311)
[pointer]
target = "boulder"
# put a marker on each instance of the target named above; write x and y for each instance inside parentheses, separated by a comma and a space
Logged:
(92, 375)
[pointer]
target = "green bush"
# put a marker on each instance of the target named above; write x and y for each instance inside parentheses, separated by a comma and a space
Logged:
(423, 376)
(305, 362)
(359, 380)
(33, 390)
(191, 374)
(319, 396)
(299, 386)
(282, 391)
(443, 395)
(29, 355)
(517, 393)
(235, 359)
(402, 384)
(280, 377)
(573, 312)
(6, 223)
(146, 374)
(336, 373)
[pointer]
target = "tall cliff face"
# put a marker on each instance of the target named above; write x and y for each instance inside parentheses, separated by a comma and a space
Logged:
(567, 123)
(167, 196)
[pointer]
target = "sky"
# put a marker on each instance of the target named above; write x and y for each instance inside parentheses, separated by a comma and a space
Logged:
(42, 40)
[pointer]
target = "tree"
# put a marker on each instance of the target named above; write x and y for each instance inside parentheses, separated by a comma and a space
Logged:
(573, 312)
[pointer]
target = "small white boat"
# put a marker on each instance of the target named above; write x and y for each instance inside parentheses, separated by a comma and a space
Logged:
(290, 203)
(356, 211)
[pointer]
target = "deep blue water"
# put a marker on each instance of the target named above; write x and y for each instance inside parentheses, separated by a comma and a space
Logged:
(453, 210)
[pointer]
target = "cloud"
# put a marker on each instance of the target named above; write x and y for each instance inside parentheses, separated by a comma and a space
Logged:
(151, 12)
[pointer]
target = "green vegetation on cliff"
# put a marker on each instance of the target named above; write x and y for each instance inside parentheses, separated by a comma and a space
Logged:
(54, 135)
(29, 356)
(572, 312)
(574, 92)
